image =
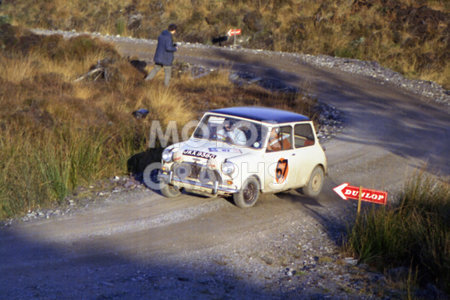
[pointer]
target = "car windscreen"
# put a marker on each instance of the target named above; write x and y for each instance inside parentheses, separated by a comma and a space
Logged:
(231, 130)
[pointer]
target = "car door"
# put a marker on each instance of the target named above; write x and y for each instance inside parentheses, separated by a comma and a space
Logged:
(304, 157)
(278, 159)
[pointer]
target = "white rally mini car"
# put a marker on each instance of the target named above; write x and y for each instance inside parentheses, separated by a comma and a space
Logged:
(243, 151)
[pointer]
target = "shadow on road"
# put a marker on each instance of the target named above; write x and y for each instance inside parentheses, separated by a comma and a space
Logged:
(97, 269)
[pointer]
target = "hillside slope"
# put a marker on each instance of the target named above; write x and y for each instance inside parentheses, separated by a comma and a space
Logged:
(411, 37)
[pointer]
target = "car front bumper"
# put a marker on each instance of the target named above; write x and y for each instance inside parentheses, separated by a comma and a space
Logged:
(211, 187)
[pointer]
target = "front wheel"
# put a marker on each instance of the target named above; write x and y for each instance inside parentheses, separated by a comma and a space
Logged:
(315, 183)
(169, 190)
(249, 193)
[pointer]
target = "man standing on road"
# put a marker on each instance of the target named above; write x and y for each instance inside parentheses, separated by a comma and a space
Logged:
(164, 54)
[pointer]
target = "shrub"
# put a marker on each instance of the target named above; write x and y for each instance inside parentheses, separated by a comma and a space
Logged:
(5, 20)
(78, 48)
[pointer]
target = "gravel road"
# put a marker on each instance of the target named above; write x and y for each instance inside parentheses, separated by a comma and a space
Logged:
(130, 242)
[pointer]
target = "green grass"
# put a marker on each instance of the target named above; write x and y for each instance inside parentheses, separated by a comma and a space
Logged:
(41, 169)
(415, 233)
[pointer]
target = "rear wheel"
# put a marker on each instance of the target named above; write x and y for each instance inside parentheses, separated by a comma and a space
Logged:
(249, 193)
(314, 186)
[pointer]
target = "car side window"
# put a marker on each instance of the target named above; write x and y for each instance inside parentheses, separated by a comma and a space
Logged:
(303, 135)
(280, 138)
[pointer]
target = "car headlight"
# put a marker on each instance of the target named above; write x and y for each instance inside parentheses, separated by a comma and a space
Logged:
(167, 155)
(228, 168)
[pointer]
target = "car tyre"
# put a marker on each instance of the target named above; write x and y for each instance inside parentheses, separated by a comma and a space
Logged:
(249, 193)
(169, 191)
(315, 183)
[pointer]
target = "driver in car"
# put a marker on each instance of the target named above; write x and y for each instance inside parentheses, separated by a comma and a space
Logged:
(231, 134)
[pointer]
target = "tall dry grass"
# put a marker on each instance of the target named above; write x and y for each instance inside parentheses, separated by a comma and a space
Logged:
(16, 70)
(57, 134)
(390, 32)
(165, 105)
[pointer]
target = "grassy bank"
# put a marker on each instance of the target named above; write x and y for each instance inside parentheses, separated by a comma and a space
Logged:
(413, 235)
(410, 37)
(57, 132)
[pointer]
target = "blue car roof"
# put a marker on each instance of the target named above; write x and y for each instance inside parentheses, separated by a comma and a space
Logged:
(262, 114)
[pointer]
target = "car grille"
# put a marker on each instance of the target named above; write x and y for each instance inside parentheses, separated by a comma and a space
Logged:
(196, 171)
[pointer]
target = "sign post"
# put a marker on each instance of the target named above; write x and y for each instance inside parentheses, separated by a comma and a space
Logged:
(234, 32)
(359, 200)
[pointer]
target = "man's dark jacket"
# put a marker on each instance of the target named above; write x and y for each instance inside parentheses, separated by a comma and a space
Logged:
(165, 49)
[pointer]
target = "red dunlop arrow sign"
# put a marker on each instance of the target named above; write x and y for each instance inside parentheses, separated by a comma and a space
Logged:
(346, 191)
